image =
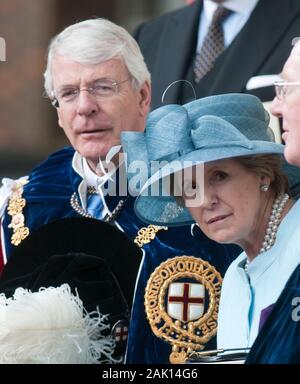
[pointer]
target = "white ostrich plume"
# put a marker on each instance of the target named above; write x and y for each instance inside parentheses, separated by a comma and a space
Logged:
(52, 326)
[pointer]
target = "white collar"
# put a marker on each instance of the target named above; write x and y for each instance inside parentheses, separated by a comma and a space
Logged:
(80, 165)
(244, 7)
(89, 178)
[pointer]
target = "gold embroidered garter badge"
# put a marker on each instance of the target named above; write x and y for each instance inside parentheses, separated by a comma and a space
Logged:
(181, 300)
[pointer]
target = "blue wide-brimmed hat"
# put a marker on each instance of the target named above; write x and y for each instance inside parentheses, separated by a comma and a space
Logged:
(176, 137)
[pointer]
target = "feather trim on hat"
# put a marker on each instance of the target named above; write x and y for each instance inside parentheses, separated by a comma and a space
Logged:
(52, 326)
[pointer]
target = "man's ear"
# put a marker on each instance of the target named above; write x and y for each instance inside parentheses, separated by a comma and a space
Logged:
(59, 121)
(145, 98)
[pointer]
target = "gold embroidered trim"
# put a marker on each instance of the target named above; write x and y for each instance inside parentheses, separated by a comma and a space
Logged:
(146, 234)
(15, 206)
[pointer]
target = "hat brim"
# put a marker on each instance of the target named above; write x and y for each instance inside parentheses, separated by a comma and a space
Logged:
(150, 209)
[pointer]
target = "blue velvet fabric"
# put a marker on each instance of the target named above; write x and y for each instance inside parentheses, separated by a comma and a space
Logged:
(48, 194)
(279, 340)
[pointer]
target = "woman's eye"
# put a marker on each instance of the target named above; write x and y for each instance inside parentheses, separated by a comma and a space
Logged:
(220, 176)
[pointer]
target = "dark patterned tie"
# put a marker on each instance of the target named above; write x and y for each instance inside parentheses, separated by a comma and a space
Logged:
(213, 44)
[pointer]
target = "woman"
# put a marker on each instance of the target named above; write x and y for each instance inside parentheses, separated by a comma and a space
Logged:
(246, 199)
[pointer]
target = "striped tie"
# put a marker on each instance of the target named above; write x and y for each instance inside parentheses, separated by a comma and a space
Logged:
(213, 44)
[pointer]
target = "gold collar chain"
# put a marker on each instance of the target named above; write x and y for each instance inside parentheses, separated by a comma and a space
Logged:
(144, 236)
(109, 218)
(15, 207)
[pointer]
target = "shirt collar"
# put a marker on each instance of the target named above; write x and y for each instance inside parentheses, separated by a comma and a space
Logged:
(80, 165)
(90, 177)
(244, 7)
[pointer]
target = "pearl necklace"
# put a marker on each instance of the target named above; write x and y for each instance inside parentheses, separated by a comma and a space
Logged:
(272, 227)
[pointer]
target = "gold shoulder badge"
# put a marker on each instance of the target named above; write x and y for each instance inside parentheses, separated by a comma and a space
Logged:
(182, 300)
(15, 207)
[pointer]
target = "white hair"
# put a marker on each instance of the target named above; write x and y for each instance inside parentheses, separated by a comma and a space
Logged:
(93, 42)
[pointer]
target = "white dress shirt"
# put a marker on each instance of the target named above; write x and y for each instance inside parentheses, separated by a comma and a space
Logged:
(232, 25)
(91, 179)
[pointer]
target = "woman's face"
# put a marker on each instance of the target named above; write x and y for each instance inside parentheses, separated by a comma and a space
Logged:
(233, 204)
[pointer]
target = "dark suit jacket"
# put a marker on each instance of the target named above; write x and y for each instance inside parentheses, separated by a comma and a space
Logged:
(261, 48)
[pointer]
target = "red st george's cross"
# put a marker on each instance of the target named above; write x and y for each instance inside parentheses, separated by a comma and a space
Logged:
(121, 333)
(186, 299)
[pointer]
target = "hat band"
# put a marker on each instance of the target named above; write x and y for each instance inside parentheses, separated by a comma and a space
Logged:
(175, 155)
(232, 144)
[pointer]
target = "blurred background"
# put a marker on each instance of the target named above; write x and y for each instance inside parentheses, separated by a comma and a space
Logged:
(28, 123)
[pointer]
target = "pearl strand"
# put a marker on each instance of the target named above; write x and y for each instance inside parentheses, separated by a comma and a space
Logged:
(273, 223)
(272, 226)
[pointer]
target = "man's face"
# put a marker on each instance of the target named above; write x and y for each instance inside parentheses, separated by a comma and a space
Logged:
(288, 107)
(93, 125)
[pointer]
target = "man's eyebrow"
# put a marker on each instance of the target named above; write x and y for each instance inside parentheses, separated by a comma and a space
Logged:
(65, 86)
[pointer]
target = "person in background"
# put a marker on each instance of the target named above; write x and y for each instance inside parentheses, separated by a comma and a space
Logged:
(278, 340)
(239, 49)
(97, 80)
(286, 105)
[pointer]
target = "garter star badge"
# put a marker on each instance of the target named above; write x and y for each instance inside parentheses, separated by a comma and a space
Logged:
(182, 300)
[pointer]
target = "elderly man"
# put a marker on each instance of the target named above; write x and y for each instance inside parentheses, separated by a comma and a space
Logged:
(286, 105)
(278, 342)
(97, 79)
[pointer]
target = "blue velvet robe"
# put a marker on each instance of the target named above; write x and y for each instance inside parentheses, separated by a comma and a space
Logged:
(47, 196)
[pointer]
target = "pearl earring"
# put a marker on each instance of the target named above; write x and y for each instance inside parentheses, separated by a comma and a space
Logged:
(264, 187)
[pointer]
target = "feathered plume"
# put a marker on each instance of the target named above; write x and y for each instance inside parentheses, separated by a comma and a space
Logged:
(52, 326)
